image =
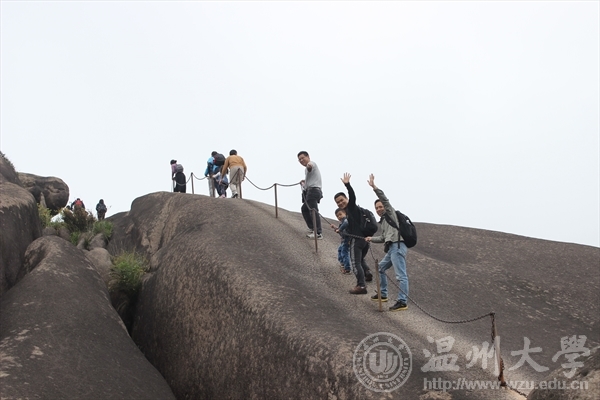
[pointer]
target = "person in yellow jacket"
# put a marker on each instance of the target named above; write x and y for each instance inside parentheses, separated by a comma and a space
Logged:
(237, 171)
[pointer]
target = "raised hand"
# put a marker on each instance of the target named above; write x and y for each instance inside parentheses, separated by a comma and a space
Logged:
(371, 181)
(346, 178)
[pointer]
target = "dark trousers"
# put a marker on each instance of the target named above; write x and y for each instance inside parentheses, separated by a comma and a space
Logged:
(358, 251)
(311, 198)
(179, 182)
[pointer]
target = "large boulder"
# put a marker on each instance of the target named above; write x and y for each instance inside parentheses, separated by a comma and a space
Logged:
(583, 384)
(51, 190)
(61, 339)
(20, 222)
(7, 171)
(235, 292)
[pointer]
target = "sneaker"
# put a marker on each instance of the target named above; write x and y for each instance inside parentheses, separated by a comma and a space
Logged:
(399, 306)
(346, 272)
(375, 297)
(312, 236)
(368, 276)
(234, 196)
(359, 290)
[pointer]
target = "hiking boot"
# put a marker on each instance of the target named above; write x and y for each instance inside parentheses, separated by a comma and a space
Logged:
(375, 297)
(399, 306)
(312, 236)
(359, 290)
(368, 276)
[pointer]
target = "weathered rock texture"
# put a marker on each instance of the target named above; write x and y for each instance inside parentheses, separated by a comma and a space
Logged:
(19, 225)
(572, 388)
(239, 305)
(61, 339)
(51, 190)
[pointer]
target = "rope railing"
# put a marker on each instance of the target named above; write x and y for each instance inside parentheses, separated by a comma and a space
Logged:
(316, 214)
(239, 186)
(492, 315)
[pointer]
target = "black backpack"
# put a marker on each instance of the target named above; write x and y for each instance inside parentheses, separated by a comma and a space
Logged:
(178, 168)
(219, 159)
(407, 229)
(368, 223)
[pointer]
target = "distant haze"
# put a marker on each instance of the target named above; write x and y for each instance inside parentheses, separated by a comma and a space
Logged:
(478, 114)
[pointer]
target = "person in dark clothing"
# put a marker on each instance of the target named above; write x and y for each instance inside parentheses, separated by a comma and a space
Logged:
(358, 246)
(101, 210)
(178, 177)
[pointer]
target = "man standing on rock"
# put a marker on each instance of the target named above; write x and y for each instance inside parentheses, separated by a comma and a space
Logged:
(311, 194)
(237, 172)
(358, 246)
(395, 249)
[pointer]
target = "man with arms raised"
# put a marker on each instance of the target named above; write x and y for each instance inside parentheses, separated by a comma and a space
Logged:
(358, 246)
(394, 247)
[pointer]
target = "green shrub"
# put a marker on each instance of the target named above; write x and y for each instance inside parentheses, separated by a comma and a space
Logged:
(127, 271)
(75, 237)
(78, 220)
(103, 227)
(45, 216)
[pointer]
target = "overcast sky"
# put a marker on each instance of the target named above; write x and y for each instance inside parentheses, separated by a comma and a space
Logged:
(478, 114)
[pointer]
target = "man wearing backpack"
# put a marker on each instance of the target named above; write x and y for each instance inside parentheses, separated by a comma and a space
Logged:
(213, 168)
(101, 209)
(395, 248)
(359, 247)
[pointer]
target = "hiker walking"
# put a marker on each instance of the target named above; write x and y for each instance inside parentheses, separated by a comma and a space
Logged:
(359, 247)
(311, 194)
(77, 204)
(237, 172)
(178, 177)
(101, 210)
(395, 248)
(213, 168)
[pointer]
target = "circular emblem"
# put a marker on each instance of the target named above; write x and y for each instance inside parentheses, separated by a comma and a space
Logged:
(382, 362)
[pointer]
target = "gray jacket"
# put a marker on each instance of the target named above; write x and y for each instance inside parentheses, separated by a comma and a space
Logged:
(389, 233)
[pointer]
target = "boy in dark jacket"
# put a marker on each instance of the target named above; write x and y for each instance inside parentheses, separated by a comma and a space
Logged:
(344, 247)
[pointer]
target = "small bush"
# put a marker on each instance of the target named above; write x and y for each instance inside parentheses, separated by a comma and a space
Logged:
(45, 216)
(127, 271)
(103, 227)
(75, 237)
(78, 220)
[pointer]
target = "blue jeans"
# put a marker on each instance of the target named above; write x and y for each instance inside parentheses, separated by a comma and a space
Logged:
(395, 256)
(344, 255)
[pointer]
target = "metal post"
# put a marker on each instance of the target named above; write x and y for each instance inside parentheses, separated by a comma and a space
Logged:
(378, 286)
(276, 210)
(314, 221)
(240, 183)
(192, 179)
(211, 185)
(497, 348)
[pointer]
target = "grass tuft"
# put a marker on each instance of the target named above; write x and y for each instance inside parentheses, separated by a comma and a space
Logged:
(127, 271)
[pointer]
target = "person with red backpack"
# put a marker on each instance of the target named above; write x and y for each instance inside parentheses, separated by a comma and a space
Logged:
(77, 204)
